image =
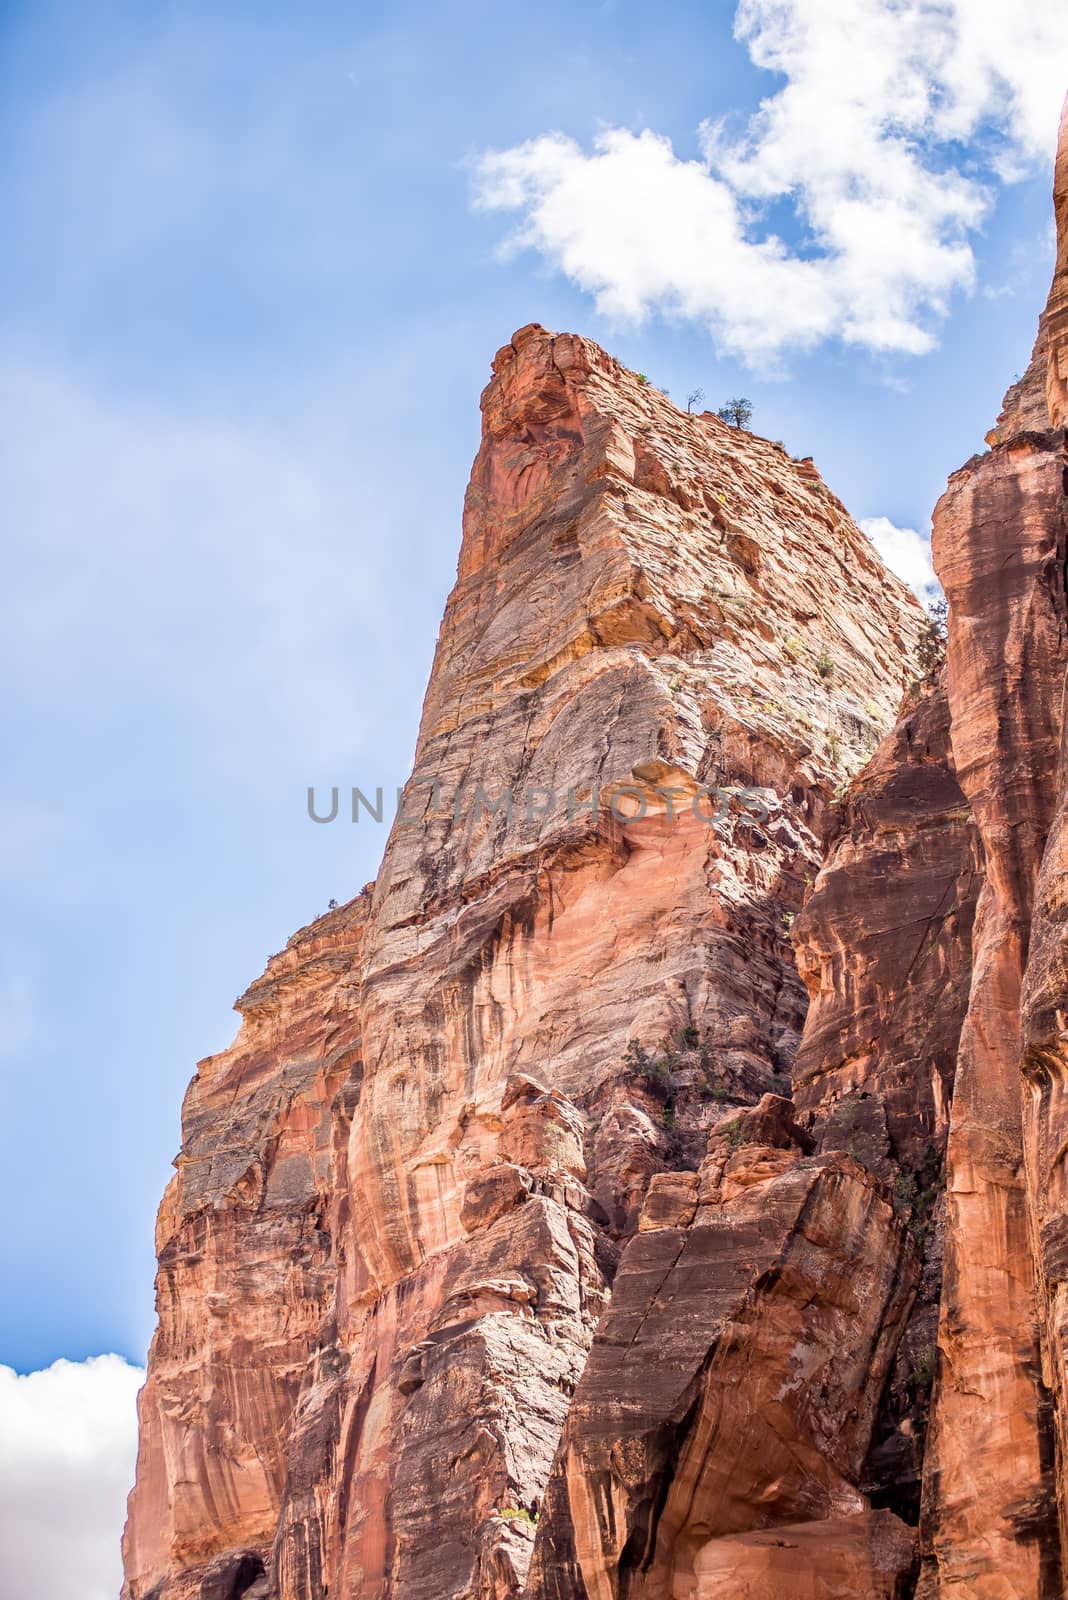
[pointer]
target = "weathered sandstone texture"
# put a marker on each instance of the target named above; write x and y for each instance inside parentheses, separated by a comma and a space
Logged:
(733, 1381)
(531, 1240)
(1000, 545)
(884, 945)
(933, 948)
(455, 1103)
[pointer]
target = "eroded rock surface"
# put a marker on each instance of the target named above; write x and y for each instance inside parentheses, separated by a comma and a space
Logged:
(734, 1378)
(884, 945)
(932, 947)
(403, 1192)
(499, 1261)
(1000, 540)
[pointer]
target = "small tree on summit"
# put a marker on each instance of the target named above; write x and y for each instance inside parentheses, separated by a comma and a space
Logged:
(738, 413)
(694, 398)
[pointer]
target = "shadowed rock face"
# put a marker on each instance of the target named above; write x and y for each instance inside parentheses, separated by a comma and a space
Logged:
(884, 947)
(733, 1380)
(932, 947)
(403, 1193)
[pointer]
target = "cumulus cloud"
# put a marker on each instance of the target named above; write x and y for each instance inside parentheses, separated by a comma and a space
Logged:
(68, 1440)
(865, 140)
(905, 552)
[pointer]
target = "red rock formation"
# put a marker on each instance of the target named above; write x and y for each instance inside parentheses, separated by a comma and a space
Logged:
(496, 1263)
(888, 993)
(1045, 986)
(733, 1382)
(884, 946)
(917, 1033)
(403, 1192)
(247, 1270)
(1000, 540)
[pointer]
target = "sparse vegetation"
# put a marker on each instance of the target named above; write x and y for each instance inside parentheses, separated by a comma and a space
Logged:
(636, 1058)
(737, 413)
(917, 1190)
(519, 1514)
(687, 1051)
(932, 646)
(825, 665)
(695, 398)
(834, 748)
(642, 378)
(922, 1373)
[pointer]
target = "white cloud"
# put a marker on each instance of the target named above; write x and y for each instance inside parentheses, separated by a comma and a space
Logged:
(68, 1442)
(863, 140)
(905, 552)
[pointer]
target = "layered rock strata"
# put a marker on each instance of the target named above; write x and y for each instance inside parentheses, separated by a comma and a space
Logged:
(733, 1382)
(498, 1262)
(1000, 544)
(932, 946)
(404, 1192)
(884, 946)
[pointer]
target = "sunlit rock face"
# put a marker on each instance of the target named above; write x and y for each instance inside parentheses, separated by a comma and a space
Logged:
(652, 1187)
(1000, 546)
(457, 1103)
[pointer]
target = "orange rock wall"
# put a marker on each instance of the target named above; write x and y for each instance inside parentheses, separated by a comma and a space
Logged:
(403, 1193)
(499, 1261)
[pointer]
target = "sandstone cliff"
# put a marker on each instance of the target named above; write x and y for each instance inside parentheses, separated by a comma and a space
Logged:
(531, 1240)
(403, 1192)
(1000, 544)
(943, 1014)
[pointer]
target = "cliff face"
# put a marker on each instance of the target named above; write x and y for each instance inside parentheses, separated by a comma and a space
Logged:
(1000, 544)
(403, 1193)
(531, 1240)
(884, 946)
(945, 1012)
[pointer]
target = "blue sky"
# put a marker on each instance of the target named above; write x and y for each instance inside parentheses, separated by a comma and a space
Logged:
(257, 270)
